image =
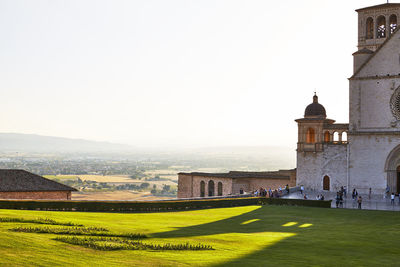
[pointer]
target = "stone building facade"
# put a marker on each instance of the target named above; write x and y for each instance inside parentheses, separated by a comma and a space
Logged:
(370, 157)
(322, 149)
(198, 184)
(364, 153)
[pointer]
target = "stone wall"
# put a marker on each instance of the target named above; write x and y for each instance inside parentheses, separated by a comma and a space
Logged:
(368, 155)
(226, 185)
(313, 167)
(185, 186)
(252, 184)
(59, 195)
(189, 185)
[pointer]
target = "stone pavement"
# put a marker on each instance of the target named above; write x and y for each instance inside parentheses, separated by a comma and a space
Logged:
(377, 202)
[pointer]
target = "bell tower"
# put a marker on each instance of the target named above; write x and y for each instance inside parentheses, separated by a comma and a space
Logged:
(375, 24)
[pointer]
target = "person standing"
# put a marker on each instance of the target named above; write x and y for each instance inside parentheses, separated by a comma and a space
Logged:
(301, 189)
(337, 199)
(359, 201)
(392, 199)
(370, 193)
(387, 191)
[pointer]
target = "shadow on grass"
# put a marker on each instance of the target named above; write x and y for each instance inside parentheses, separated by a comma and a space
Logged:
(258, 220)
(264, 219)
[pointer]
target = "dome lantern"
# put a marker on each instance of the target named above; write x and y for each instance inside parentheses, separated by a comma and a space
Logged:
(315, 109)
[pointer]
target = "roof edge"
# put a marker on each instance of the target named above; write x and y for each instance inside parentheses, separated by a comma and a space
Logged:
(374, 54)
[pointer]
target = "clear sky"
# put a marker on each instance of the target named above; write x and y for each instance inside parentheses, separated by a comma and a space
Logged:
(174, 73)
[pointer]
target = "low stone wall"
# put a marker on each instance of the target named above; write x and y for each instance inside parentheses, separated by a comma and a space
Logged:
(59, 195)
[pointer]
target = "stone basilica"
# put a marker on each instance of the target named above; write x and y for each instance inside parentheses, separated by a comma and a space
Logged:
(363, 154)
(366, 152)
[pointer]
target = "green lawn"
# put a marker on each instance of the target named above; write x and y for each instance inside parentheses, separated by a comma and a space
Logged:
(246, 236)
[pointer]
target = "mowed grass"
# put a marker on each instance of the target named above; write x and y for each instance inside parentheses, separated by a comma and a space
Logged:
(241, 236)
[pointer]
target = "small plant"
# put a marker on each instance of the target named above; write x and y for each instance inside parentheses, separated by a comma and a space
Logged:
(86, 231)
(107, 243)
(38, 221)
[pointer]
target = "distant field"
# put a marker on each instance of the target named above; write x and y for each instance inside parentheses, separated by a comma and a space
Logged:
(89, 194)
(115, 195)
(167, 173)
(120, 179)
(107, 178)
(61, 177)
(242, 236)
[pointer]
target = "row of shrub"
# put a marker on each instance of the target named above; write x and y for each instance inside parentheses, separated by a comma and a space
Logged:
(83, 231)
(125, 206)
(38, 221)
(153, 206)
(104, 243)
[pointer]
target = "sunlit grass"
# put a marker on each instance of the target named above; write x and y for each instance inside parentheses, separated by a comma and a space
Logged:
(250, 221)
(305, 225)
(289, 224)
(242, 236)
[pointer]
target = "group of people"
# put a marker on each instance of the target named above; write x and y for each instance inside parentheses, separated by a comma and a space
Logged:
(342, 193)
(263, 192)
(318, 197)
(392, 197)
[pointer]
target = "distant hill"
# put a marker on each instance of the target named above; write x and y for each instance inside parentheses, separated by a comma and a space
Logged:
(10, 142)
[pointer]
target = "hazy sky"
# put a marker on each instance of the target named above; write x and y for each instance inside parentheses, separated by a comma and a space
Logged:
(174, 73)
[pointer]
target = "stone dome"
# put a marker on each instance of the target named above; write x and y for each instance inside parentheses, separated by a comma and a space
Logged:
(315, 109)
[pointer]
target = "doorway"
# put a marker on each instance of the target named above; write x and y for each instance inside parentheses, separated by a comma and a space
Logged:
(326, 183)
(211, 188)
(398, 179)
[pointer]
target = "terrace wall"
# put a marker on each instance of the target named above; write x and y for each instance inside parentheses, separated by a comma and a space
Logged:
(59, 195)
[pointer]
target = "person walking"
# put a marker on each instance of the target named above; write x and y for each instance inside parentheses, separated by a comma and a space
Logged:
(341, 200)
(337, 199)
(359, 201)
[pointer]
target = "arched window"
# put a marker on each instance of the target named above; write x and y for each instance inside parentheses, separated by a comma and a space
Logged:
(381, 27)
(310, 137)
(344, 137)
(370, 28)
(327, 137)
(392, 23)
(326, 183)
(211, 188)
(202, 189)
(219, 189)
(335, 137)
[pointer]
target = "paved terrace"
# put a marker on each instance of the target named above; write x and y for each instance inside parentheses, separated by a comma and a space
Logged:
(377, 202)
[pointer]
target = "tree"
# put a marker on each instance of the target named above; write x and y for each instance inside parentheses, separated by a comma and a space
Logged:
(166, 188)
(144, 185)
